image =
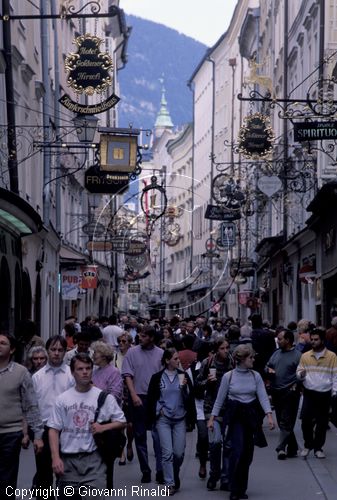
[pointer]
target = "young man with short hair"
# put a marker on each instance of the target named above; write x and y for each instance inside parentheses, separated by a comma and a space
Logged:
(139, 364)
(50, 381)
(281, 370)
(75, 459)
(317, 370)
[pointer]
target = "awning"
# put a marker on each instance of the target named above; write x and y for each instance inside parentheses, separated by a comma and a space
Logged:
(18, 215)
(198, 289)
(70, 257)
(268, 246)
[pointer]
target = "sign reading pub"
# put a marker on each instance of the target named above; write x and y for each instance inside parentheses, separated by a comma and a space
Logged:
(256, 137)
(89, 73)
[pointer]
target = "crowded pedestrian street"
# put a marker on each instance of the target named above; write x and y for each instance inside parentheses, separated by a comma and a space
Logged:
(270, 479)
(168, 249)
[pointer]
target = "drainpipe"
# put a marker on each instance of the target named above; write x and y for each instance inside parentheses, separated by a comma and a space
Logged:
(57, 118)
(46, 113)
(212, 174)
(321, 40)
(285, 122)
(10, 101)
(192, 88)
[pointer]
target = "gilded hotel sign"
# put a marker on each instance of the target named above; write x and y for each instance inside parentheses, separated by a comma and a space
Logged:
(88, 73)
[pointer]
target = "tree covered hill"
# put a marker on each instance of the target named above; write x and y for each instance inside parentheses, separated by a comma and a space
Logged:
(155, 51)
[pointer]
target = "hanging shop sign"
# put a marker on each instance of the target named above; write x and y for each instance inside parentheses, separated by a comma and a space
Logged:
(307, 271)
(89, 109)
(120, 244)
(228, 234)
(134, 288)
(96, 181)
(93, 228)
(88, 68)
(136, 248)
(89, 277)
(269, 184)
(243, 266)
(137, 263)
(315, 131)
(134, 276)
(89, 72)
(118, 152)
(210, 245)
(99, 246)
(216, 212)
(256, 137)
(70, 284)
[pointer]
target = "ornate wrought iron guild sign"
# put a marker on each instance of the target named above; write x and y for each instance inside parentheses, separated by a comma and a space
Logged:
(256, 137)
(88, 68)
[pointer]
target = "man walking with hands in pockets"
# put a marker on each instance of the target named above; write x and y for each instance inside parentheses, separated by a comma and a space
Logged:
(317, 370)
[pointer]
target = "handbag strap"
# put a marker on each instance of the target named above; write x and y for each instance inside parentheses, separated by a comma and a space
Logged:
(100, 402)
(255, 380)
(229, 383)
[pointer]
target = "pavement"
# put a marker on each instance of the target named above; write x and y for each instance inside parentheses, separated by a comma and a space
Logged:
(270, 479)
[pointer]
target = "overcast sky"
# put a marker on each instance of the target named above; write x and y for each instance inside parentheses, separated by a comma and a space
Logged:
(202, 20)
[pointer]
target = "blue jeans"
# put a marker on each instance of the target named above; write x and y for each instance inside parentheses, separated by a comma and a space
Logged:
(139, 417)
(10, 447)
(172, 436)
(215, 441)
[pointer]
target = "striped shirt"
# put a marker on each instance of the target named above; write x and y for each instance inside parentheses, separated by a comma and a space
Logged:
(321, 371)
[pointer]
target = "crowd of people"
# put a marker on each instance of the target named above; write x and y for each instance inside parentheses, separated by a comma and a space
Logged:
(215, 377)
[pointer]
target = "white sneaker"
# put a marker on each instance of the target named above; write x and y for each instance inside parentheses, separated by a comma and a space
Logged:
(305, 452)
(319, 454)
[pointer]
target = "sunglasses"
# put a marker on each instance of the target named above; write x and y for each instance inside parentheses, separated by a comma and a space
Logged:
(122, 341)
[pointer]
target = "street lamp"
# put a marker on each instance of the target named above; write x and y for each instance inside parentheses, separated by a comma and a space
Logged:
(86, 126)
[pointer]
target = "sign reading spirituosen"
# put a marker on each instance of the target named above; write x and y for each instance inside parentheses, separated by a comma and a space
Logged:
(256, 137)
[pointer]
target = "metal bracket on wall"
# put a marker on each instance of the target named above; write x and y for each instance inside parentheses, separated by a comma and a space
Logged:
(68, 11)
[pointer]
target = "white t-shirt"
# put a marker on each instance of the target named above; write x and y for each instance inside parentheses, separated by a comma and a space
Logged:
(111, 333)
(72, 414)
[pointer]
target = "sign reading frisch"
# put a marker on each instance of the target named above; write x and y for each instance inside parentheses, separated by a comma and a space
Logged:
(96, 181)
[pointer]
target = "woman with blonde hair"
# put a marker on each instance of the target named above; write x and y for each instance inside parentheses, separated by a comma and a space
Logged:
(240, 392)
(105, 375)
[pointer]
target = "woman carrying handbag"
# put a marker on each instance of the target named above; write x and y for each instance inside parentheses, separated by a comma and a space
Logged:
(241, 390)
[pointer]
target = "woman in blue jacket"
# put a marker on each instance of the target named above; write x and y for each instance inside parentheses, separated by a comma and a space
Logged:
(172, 409)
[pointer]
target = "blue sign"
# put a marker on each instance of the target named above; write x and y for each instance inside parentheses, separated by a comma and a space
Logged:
(228, 234)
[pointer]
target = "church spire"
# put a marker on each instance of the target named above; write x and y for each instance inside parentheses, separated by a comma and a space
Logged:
(163, 120)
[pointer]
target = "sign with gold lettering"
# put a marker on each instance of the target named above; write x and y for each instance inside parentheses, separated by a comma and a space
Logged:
(89, 68)
(256, 137)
